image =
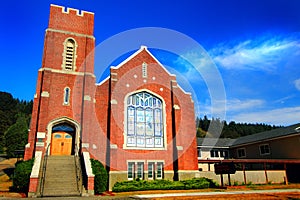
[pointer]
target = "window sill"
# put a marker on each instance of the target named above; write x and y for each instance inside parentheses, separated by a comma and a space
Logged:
(145, 148)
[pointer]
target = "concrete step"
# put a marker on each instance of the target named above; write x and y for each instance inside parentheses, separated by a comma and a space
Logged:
(60, 193)
(60, 177)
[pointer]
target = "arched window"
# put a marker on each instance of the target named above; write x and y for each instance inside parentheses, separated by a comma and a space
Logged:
(69, 55)
(67, 96)
(144, 121)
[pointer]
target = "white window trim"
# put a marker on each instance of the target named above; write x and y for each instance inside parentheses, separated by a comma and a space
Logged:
(237, 152)
(264, 154)
(163, 118)
(142, 170)
(162, 170)
(133, 170)
(153, 170)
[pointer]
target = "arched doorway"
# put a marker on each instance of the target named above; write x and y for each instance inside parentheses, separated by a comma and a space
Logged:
(63, 139)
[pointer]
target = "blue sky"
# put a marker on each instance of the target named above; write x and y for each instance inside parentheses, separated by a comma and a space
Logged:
(254, 45)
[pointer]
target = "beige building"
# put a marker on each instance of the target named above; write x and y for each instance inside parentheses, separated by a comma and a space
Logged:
(277, 149)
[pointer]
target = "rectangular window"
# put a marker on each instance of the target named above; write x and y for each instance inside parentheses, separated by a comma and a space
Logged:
(214, 153)
(140, 170)
(264, 149)
(224, 154)
(241, 153)
(199, 152)
(130, 174)
(40, 140)
(150, 170)
(160, 170)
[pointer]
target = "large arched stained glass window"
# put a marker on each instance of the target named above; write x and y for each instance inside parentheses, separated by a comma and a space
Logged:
(144, 121)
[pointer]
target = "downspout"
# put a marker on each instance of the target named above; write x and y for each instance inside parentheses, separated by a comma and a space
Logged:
(82, 99)
(175, 152)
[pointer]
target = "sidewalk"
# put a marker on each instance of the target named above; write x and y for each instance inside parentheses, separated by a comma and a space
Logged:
(187, 194)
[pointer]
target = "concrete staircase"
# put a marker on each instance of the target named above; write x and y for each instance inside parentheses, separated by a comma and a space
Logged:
(60, 177)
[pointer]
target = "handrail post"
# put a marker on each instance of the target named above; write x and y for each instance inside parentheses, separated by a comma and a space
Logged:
(42, 182)
(78, 170)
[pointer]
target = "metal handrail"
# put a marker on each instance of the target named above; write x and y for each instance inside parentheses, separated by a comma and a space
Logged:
(78, 170)
(42, 182)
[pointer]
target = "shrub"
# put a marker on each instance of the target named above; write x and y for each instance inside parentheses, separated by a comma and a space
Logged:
(139, 185)
(235, 183)
(212, 183)
(101, 176)
(21, 176)
(196, 183)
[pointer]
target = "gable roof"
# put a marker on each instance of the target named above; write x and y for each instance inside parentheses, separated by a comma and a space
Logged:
(215, 142)
(254, 138)
(268, 135)
(144, 48)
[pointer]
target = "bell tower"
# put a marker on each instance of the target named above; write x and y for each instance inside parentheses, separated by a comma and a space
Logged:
(65, 80)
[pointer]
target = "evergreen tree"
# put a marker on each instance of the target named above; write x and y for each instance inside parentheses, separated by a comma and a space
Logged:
(10, 110)
(15, 138)
(231, 130)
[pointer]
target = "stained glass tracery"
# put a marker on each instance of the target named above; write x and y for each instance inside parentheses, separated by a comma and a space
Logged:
(144, 121)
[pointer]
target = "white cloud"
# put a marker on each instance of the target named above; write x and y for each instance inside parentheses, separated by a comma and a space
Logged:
(255, 54)
(280, 116)
(233, 105)
(284, 99)
(297, 84)
(238, 105)
(195, 63)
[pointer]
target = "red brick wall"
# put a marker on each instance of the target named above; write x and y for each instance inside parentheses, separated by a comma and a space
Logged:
(67, 19)
(101, 118)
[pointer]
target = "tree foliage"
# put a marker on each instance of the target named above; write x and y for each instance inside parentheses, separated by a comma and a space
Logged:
(13, 111)
(228, 130)
(15, 138)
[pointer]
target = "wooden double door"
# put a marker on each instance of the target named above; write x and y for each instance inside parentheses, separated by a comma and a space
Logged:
(61, 143)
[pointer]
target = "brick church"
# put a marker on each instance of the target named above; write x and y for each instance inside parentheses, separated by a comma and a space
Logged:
(138, 121)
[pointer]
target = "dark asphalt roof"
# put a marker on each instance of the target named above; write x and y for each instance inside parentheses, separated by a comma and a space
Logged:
(215, 142)
(266, 135)
(258, 137)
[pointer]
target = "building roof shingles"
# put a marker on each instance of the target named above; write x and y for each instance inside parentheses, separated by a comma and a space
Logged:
(258, 137)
